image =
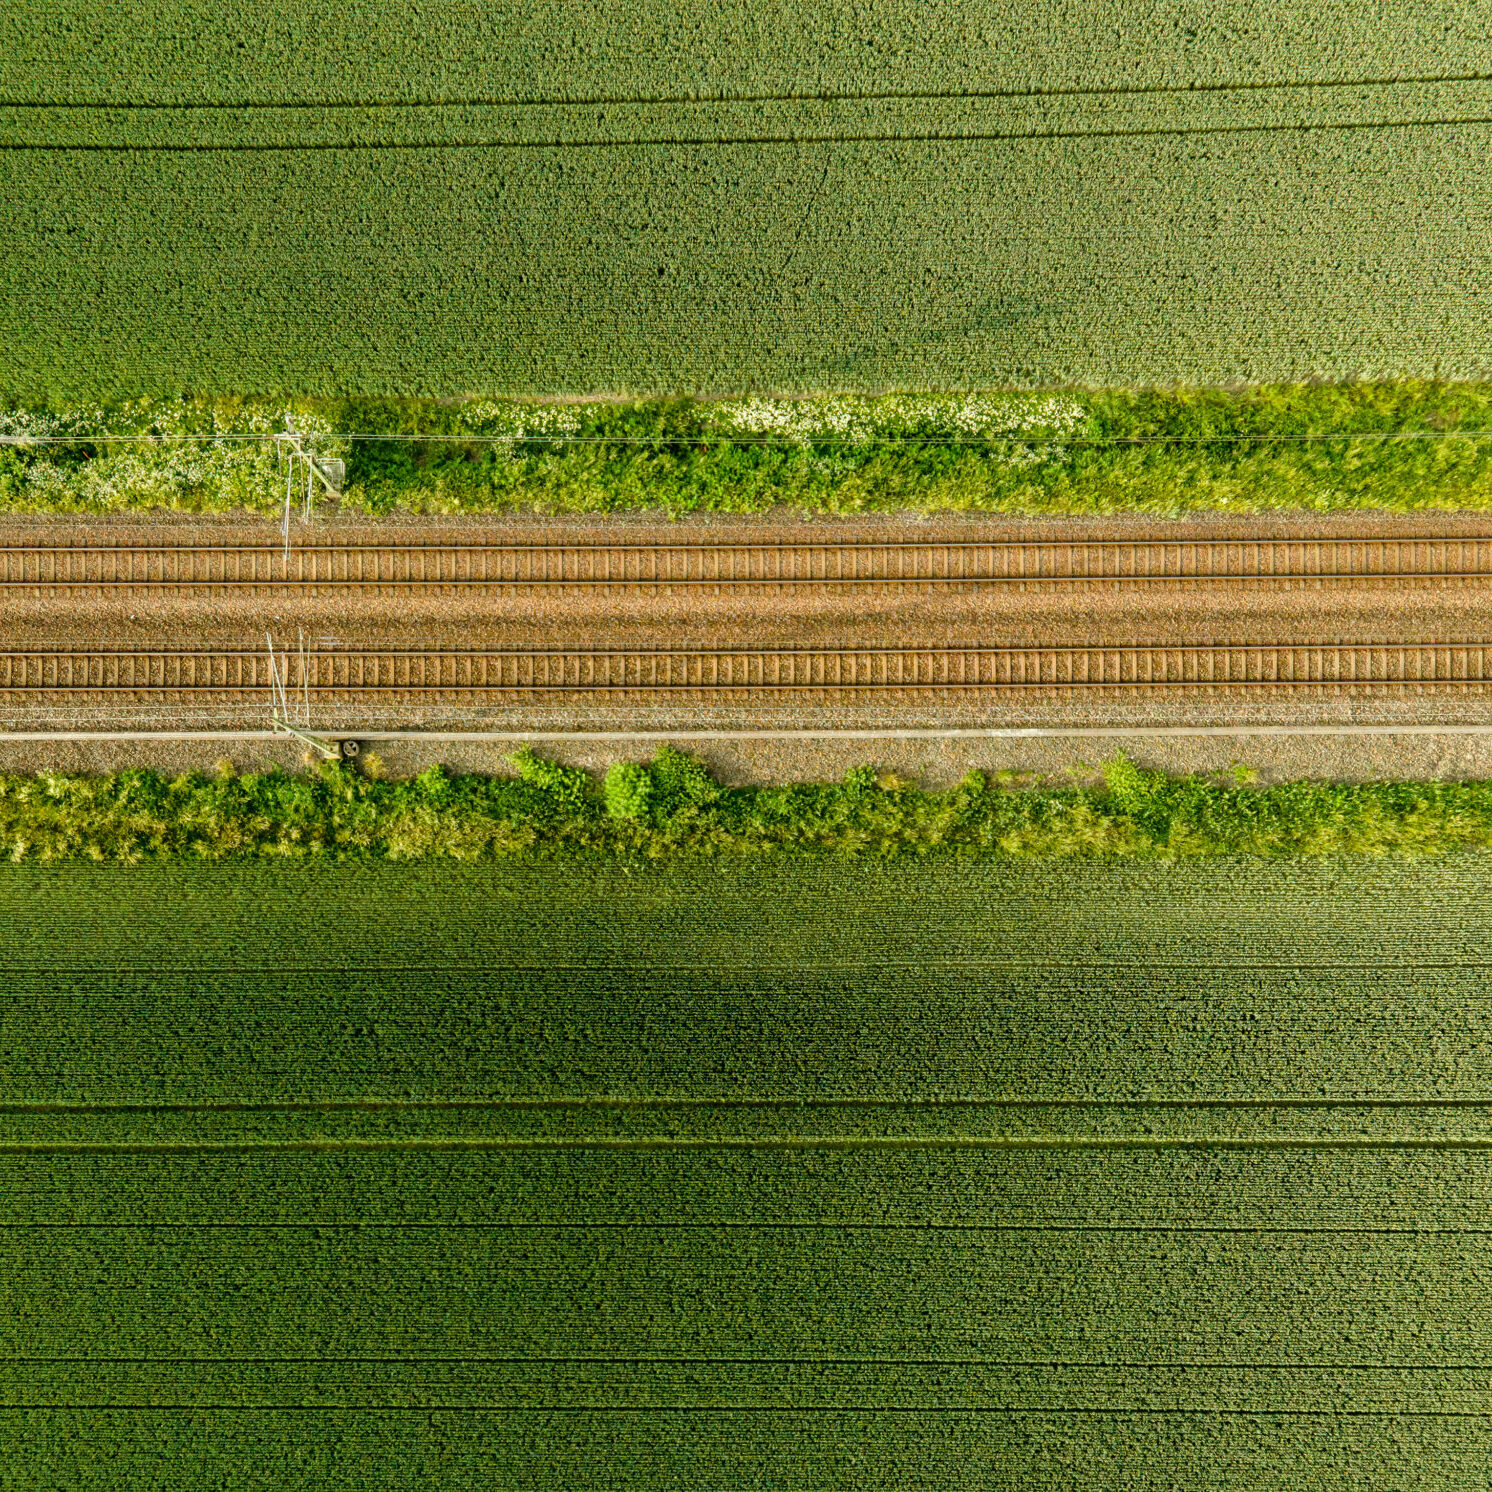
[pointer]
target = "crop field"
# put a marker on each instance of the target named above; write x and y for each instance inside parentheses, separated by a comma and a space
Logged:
(760, 1175)
(569, 198)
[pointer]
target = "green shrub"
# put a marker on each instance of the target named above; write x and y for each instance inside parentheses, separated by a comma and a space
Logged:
(567, 785)
(680, 782)
(628, 790)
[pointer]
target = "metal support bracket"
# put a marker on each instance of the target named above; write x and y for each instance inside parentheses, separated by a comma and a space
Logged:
(327, 749)
(282, 691)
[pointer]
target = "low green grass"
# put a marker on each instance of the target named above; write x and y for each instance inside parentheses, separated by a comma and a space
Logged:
(672, 806)
(1405, 446)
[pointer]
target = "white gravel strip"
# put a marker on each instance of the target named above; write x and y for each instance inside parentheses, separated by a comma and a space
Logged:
(999, 733)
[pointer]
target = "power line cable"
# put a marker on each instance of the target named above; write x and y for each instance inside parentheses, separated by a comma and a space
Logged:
(932, 438)
(605, 142)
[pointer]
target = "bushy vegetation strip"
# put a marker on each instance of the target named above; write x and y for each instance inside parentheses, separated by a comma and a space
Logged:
(1406, 446)
(673, 806)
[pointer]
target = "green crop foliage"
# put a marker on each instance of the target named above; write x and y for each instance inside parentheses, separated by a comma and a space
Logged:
(228, 51)
(672, 807)
(767, 1175)
(544, 198)
(1407, 446)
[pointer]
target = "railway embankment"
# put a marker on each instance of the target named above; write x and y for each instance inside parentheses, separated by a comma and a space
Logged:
(779, 650)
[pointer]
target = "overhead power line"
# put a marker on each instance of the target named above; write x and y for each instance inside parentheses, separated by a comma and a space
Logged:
(788, 441)
(874, 137)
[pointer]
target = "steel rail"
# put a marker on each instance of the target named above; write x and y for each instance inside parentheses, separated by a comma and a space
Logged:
(464, 674)
(141, 569)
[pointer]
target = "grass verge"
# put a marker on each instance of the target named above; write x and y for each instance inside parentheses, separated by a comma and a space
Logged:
(671, 807)
(1405, 446)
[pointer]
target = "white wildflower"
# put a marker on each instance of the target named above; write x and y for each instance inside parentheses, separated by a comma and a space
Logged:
(523, 420)
(868, 419)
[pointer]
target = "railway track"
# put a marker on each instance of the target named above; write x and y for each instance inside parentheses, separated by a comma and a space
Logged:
(61, 569)
(391, 675)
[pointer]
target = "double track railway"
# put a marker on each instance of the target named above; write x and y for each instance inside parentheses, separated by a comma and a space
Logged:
(451, 676)
(165, 677)
(328, 568)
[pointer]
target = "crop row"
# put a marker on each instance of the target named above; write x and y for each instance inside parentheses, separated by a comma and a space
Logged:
(331, 924)
(955, 1029)
(360, 1117)
(564, 1292)
(686, 1384)
(1337, 1192)
(96, 1449)
(1269, 256)
(134, 50)
(965, 118)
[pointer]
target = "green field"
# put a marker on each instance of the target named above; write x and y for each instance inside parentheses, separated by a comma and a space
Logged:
(785, 1176)
(542, 197)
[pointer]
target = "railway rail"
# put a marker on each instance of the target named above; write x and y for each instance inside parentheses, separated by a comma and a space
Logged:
(64, 569)
(450, 676)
